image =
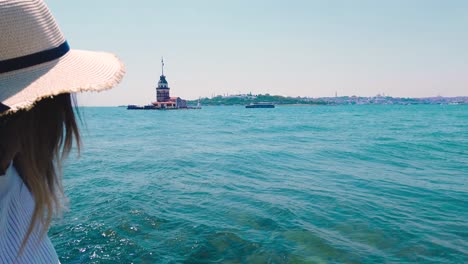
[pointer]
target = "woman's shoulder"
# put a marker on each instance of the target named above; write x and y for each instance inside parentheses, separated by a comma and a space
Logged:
(16, 208)
(14, 192)
(8, 181)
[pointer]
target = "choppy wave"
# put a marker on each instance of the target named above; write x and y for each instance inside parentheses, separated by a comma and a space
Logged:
(351, 184)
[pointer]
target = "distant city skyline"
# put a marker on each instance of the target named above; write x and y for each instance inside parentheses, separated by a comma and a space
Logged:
(291, 48)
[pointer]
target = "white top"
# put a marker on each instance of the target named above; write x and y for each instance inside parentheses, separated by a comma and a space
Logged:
(16, 209)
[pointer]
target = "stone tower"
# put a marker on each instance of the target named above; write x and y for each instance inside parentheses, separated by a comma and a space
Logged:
(162, 91)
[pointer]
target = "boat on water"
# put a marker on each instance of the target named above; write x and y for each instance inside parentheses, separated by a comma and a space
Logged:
(260, 105)
(135, 107)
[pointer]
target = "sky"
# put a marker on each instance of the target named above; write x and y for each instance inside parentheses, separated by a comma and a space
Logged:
(401, 48)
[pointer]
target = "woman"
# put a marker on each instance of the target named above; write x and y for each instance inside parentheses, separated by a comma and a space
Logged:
(38, 74)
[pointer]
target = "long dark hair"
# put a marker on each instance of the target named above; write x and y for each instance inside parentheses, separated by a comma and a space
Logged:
(38, 140)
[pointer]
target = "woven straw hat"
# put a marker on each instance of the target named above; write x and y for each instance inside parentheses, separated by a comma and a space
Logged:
(36, 61)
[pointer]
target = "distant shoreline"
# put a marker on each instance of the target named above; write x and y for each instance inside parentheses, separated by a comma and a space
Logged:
(246, 99)
(286, 105)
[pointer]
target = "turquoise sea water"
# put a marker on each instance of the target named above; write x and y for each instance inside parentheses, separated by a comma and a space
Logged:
(344, 184)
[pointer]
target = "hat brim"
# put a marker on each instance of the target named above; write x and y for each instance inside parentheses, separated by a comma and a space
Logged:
(76, 71)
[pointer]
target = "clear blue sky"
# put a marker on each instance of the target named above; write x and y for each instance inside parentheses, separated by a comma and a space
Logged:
(409, 48)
